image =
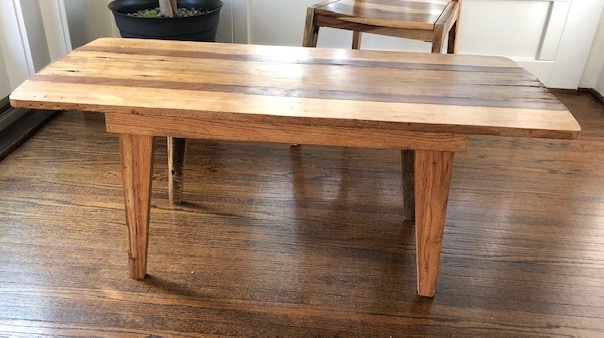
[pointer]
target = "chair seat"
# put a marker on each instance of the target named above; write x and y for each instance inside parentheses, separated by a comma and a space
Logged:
(425, 20)
(403, 14)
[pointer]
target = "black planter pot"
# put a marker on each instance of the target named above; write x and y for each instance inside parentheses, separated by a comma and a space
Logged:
(194, 28)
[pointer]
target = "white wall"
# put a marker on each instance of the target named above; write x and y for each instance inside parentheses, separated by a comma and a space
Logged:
(593, 77)
(35, 32)
(88, 20)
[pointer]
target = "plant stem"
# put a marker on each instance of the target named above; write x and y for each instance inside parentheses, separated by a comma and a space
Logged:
(168, 8)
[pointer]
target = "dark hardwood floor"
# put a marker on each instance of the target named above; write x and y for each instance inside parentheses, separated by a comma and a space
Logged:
(309, 241)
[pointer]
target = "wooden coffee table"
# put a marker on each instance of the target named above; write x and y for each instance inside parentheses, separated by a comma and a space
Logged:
(424, 104)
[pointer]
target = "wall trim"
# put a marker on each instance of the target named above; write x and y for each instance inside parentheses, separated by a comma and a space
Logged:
(593, 93)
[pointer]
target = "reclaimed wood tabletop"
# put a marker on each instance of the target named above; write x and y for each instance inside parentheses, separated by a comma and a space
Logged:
(428, 103)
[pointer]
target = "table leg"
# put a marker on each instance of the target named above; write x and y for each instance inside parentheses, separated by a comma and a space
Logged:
(432, 180)
(407, 160)
(137, 173)
(177, 148)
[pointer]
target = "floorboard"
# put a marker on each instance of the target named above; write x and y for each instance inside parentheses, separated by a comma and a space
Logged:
(306, 241)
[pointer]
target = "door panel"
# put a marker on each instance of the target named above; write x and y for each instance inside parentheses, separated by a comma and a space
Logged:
(56, 28)
(16, 53)
(575, 43)
(512, 28)
(550, 38)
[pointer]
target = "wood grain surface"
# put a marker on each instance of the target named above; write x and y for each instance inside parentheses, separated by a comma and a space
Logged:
(309, 241)
(273, 94)
(433, 172)
(137, 173)
(301, 86)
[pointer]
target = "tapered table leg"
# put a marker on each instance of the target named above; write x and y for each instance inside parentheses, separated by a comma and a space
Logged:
(432, 180)
(177, 148)
(407, 162)
(137, 172)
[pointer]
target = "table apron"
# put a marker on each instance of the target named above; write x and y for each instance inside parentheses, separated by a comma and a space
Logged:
(279, 132)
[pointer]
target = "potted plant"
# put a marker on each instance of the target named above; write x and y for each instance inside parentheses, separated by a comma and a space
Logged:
(163, 19)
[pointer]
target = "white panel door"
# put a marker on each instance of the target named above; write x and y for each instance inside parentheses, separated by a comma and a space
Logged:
(15, 48)
(550, 38)
(56, 29)
(29, 42)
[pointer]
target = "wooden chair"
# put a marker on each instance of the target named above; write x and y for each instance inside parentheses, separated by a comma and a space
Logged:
(426, 20)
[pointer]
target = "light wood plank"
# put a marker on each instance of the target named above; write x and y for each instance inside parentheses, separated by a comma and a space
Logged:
(443, 101)
(225, 51)
(274, 131)
(434, 118)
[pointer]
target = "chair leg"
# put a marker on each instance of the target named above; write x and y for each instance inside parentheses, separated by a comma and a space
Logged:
(451, 48)
(311, 37)
(408, 166)
(176, 162)
(356, 40)
(311, 31)
(437, 42)
(445, 29)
